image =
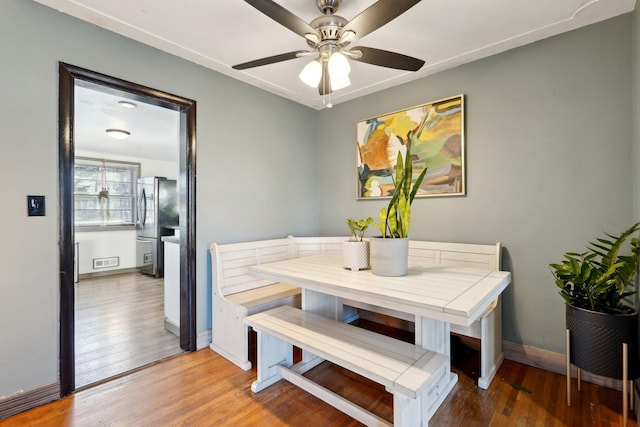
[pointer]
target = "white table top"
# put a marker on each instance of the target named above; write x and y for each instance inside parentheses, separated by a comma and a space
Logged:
(453, 294)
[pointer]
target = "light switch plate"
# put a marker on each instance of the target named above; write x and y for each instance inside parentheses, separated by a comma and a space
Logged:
(35, 206)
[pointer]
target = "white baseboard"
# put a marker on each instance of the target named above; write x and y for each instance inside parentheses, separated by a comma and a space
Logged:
(112, 272)
(24, 400)
(551, 361)
(203, 339)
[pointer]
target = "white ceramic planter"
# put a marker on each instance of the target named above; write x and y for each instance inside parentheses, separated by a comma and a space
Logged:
(389, 257)
(356, 255)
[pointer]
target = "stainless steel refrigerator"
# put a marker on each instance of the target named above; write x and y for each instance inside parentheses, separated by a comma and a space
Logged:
(157, 216)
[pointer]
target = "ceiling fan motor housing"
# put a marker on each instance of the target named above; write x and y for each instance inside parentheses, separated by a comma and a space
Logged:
(328, 26)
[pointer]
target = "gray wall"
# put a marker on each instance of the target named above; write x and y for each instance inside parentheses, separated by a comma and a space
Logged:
(256, 168)
(549, 162)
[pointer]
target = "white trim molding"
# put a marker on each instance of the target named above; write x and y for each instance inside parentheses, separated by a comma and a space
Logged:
(24, 400)
(203, 339)
(551, 361)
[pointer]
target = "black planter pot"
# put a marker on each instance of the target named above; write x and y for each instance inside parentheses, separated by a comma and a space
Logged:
(596, 342)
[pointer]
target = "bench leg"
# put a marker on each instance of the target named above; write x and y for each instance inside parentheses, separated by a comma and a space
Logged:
(406, 411)
(434, 335)
(418, 411)
(271, 353)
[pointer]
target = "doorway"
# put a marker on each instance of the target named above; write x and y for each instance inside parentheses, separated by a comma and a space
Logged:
(69, 78)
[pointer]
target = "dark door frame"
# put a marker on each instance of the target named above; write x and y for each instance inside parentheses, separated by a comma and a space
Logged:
(68, 74)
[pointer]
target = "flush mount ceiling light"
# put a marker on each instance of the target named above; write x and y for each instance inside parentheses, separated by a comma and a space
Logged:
(127, 104)
(118, 133)
(329, 37)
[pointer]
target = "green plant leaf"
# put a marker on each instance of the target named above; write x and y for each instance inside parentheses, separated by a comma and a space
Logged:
(396, 217)
(599, 278)
(520, 387)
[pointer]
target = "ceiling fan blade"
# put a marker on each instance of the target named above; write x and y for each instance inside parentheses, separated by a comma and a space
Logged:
(270, 60)
(324, 87)
(376, 15)
(282, 16)
(384, 58)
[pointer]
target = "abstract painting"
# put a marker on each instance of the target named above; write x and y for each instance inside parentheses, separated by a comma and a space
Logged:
(432, 134)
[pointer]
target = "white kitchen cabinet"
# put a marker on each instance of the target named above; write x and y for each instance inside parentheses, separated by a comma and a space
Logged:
(172, 283)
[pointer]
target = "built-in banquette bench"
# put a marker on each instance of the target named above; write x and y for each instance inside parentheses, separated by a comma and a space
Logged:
(236, 293)
(410, 373)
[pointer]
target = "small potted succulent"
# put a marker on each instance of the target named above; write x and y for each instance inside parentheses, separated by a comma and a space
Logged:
(356, 249)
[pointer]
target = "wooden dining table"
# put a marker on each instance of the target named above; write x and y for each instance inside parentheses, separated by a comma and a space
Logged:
(437, 295)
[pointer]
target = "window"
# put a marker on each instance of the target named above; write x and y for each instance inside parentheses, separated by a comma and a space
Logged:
(104, 192)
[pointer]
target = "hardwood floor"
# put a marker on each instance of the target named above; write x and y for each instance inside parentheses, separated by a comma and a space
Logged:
(204, 389)
(119, 326)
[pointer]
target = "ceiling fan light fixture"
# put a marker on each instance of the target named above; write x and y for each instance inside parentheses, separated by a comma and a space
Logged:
(330, 37)
(118, 133)
(313, 38)
(339, 65)
(347, 37)
(311, 73)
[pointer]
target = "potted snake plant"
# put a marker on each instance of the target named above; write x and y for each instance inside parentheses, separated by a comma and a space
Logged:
(390, 252)
(356, 250)
(596, 286)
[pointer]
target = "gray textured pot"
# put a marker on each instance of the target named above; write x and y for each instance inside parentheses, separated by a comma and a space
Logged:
(389, 257)
(356, 255)
(596, 341)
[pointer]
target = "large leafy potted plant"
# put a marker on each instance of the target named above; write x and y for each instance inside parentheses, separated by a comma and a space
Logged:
(356, 250)
(596, 286)
(390, 252)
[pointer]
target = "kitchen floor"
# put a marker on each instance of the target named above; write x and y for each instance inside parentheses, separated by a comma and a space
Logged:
(119, 326)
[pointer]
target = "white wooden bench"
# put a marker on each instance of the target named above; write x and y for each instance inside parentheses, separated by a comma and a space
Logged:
(411, 373)
(236, 293)
(306, 246)
(488, 328)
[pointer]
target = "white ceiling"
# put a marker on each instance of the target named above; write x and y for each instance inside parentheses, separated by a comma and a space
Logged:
(154, 130)
(445, 33)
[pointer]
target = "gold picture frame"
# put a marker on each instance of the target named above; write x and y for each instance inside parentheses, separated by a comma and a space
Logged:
(434, 135)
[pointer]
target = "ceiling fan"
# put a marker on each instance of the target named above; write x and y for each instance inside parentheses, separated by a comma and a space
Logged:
(330, 36)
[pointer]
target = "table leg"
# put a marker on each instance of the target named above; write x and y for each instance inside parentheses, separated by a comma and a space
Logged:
(324, 305)
(434, 335)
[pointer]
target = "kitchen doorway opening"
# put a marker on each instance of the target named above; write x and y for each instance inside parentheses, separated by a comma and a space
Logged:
(120, 208)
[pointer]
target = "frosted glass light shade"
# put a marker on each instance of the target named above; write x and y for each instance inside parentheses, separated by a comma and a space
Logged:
(311, 73)
(127, 104)
(118, 133)
(339, 65)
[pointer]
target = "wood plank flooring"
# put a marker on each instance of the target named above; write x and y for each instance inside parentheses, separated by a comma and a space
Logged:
(204, 389)
(119, 326)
